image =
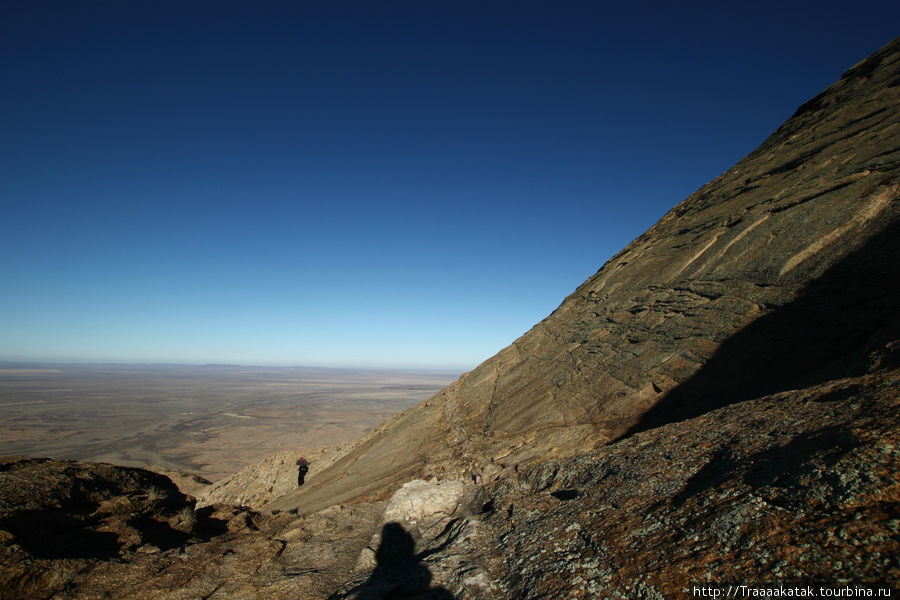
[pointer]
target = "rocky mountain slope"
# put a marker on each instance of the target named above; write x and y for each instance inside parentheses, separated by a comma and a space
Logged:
(776, 275)
(810, 496)
(719, 403)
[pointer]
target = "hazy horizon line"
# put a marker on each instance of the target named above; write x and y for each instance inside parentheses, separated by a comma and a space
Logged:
(9, 364)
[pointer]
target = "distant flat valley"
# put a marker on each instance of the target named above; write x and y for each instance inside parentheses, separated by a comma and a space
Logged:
(208, 420)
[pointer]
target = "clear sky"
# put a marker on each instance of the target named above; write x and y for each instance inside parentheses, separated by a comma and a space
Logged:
(364, 183)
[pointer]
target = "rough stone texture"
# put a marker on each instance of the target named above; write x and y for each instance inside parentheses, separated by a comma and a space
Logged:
(93, 531)
(423, 505)
(798, 486)
(718, 403)
(59, 517)
(423, 510)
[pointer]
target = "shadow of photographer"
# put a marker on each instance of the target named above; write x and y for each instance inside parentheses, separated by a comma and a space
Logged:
(399, 572)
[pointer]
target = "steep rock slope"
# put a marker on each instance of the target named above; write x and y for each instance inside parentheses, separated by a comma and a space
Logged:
(778, 274)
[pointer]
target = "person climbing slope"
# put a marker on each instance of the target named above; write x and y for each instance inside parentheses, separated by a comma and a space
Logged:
(302, 469)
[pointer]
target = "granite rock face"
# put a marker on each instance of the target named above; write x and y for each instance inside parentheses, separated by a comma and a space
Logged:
(423, 505)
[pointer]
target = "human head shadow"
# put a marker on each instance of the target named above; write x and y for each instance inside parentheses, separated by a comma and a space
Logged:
(399, 572)
(834, 328)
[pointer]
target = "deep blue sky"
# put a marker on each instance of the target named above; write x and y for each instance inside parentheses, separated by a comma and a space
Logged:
(364, 183)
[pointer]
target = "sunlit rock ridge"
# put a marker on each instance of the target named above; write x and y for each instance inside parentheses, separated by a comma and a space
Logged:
(718, 403)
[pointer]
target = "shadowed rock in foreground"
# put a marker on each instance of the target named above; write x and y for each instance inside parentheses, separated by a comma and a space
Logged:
(719, 403)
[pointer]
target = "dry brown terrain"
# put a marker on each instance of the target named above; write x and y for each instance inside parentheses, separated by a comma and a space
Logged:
(209, 420)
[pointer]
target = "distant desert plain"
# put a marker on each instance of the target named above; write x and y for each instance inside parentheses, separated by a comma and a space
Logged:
(208, 420)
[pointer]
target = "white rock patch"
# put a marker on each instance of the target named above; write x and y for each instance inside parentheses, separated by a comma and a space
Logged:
(421, 504)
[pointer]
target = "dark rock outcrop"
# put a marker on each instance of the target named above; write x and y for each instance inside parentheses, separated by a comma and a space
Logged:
(61, 514)
(66, 525)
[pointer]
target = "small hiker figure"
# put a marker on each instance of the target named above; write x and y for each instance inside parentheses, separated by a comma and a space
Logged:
(302, 467)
